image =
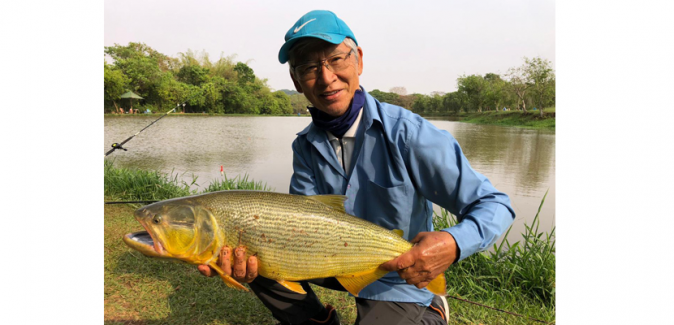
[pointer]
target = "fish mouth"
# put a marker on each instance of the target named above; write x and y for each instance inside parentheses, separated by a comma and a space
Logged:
(142, 241)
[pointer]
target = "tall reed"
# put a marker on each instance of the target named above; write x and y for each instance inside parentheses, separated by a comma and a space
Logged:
(135, 184)
(237, 183)
(524, 269)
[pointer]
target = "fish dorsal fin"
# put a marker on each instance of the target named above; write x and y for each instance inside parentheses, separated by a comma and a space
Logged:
(356, 282)
(229, 281)
(438, 286)
(335, 201)
(398, 232)
(292, 286)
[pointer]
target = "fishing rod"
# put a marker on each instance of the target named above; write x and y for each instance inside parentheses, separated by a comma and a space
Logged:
(116, 146)
(501, 310)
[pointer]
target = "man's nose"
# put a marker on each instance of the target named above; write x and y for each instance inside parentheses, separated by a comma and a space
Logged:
(327, 76)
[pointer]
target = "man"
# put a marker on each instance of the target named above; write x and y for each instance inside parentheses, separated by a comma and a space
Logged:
(390, 164)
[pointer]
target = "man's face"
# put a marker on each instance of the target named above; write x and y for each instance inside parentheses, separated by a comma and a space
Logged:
(331, 92)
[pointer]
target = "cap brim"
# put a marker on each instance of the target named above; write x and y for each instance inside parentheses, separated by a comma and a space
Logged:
(330, 38)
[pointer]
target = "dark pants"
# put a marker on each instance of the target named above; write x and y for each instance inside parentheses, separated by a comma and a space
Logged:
(293, 308)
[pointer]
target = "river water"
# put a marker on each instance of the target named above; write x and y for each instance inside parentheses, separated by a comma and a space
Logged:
(519, 162)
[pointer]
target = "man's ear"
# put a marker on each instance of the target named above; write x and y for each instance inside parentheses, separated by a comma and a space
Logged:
(360, 62)
(298, 87)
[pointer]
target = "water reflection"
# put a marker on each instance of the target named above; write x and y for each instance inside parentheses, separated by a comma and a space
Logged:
(517, 161)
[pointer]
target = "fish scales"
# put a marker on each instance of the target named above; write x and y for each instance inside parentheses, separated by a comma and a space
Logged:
(296, 237)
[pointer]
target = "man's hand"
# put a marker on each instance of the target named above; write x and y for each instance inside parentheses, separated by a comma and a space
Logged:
(431, 255)
(242, 271)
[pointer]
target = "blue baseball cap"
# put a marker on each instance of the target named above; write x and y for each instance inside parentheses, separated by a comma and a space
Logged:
(320, 24)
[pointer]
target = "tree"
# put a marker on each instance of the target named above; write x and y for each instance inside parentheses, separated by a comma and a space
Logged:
(276, 103)
(473, 87)
(224, 67)
(541, 78)
(284, 102)
(299, 103)
(143, 65)
(212, 97)
(421, 104)
(384, 97)
(193, 74)
(244, 72)
(435, 104)
(519, 84)
(400, 91)
(169, 91)
(535, 79)
(407, 101)
(114, 83)
(494, 92)
(454, 101)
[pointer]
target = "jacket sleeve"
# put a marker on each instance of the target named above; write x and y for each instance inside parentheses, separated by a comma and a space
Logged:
(302, 181)
(443, 175)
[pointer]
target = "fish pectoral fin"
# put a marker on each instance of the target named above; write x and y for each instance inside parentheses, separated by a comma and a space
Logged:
(354, 283)
(292, 286)
(229, 281)
(333, 200)
(438, 286)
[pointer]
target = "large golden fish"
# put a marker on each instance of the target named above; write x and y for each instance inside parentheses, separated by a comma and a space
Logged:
(294, 237)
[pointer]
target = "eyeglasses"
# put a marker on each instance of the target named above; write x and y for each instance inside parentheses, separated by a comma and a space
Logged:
(311, 70)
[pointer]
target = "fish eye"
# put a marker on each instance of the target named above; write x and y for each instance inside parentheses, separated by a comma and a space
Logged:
(156, 219)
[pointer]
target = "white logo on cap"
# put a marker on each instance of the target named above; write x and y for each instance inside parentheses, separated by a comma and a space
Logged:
(297, 29)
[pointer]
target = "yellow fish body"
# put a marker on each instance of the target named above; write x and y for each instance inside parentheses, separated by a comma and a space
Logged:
(294, 237)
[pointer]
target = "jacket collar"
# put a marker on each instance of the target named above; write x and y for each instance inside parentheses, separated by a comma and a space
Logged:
(319, 138)
(370, 114)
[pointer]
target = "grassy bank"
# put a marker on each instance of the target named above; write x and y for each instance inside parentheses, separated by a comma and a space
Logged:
(516, 277)
(530, 119)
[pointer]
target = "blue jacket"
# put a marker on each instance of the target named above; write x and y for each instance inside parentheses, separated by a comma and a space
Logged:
(401, 163)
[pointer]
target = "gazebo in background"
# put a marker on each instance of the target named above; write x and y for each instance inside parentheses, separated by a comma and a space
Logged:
(130, 95)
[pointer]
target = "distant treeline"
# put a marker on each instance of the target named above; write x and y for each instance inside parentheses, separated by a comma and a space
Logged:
(212, 87)
(526, 86)
(229, 87)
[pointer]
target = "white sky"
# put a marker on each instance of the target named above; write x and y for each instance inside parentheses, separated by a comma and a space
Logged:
(430, 43)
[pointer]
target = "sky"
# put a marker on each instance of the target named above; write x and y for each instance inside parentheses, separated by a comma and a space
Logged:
(423, 46)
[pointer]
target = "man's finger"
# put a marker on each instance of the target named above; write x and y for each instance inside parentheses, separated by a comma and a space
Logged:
(251, 269)
(205, 270)
(239, 267)
(421, 285)
(401, 262)
(226, 260)
(417, 238)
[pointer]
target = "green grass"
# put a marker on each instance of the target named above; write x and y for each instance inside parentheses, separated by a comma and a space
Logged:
(130, 184)
(237, 183)
(518, 277)
(530, 119)
(124, 184)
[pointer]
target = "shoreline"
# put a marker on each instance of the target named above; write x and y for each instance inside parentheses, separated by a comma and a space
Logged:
(528, 120)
